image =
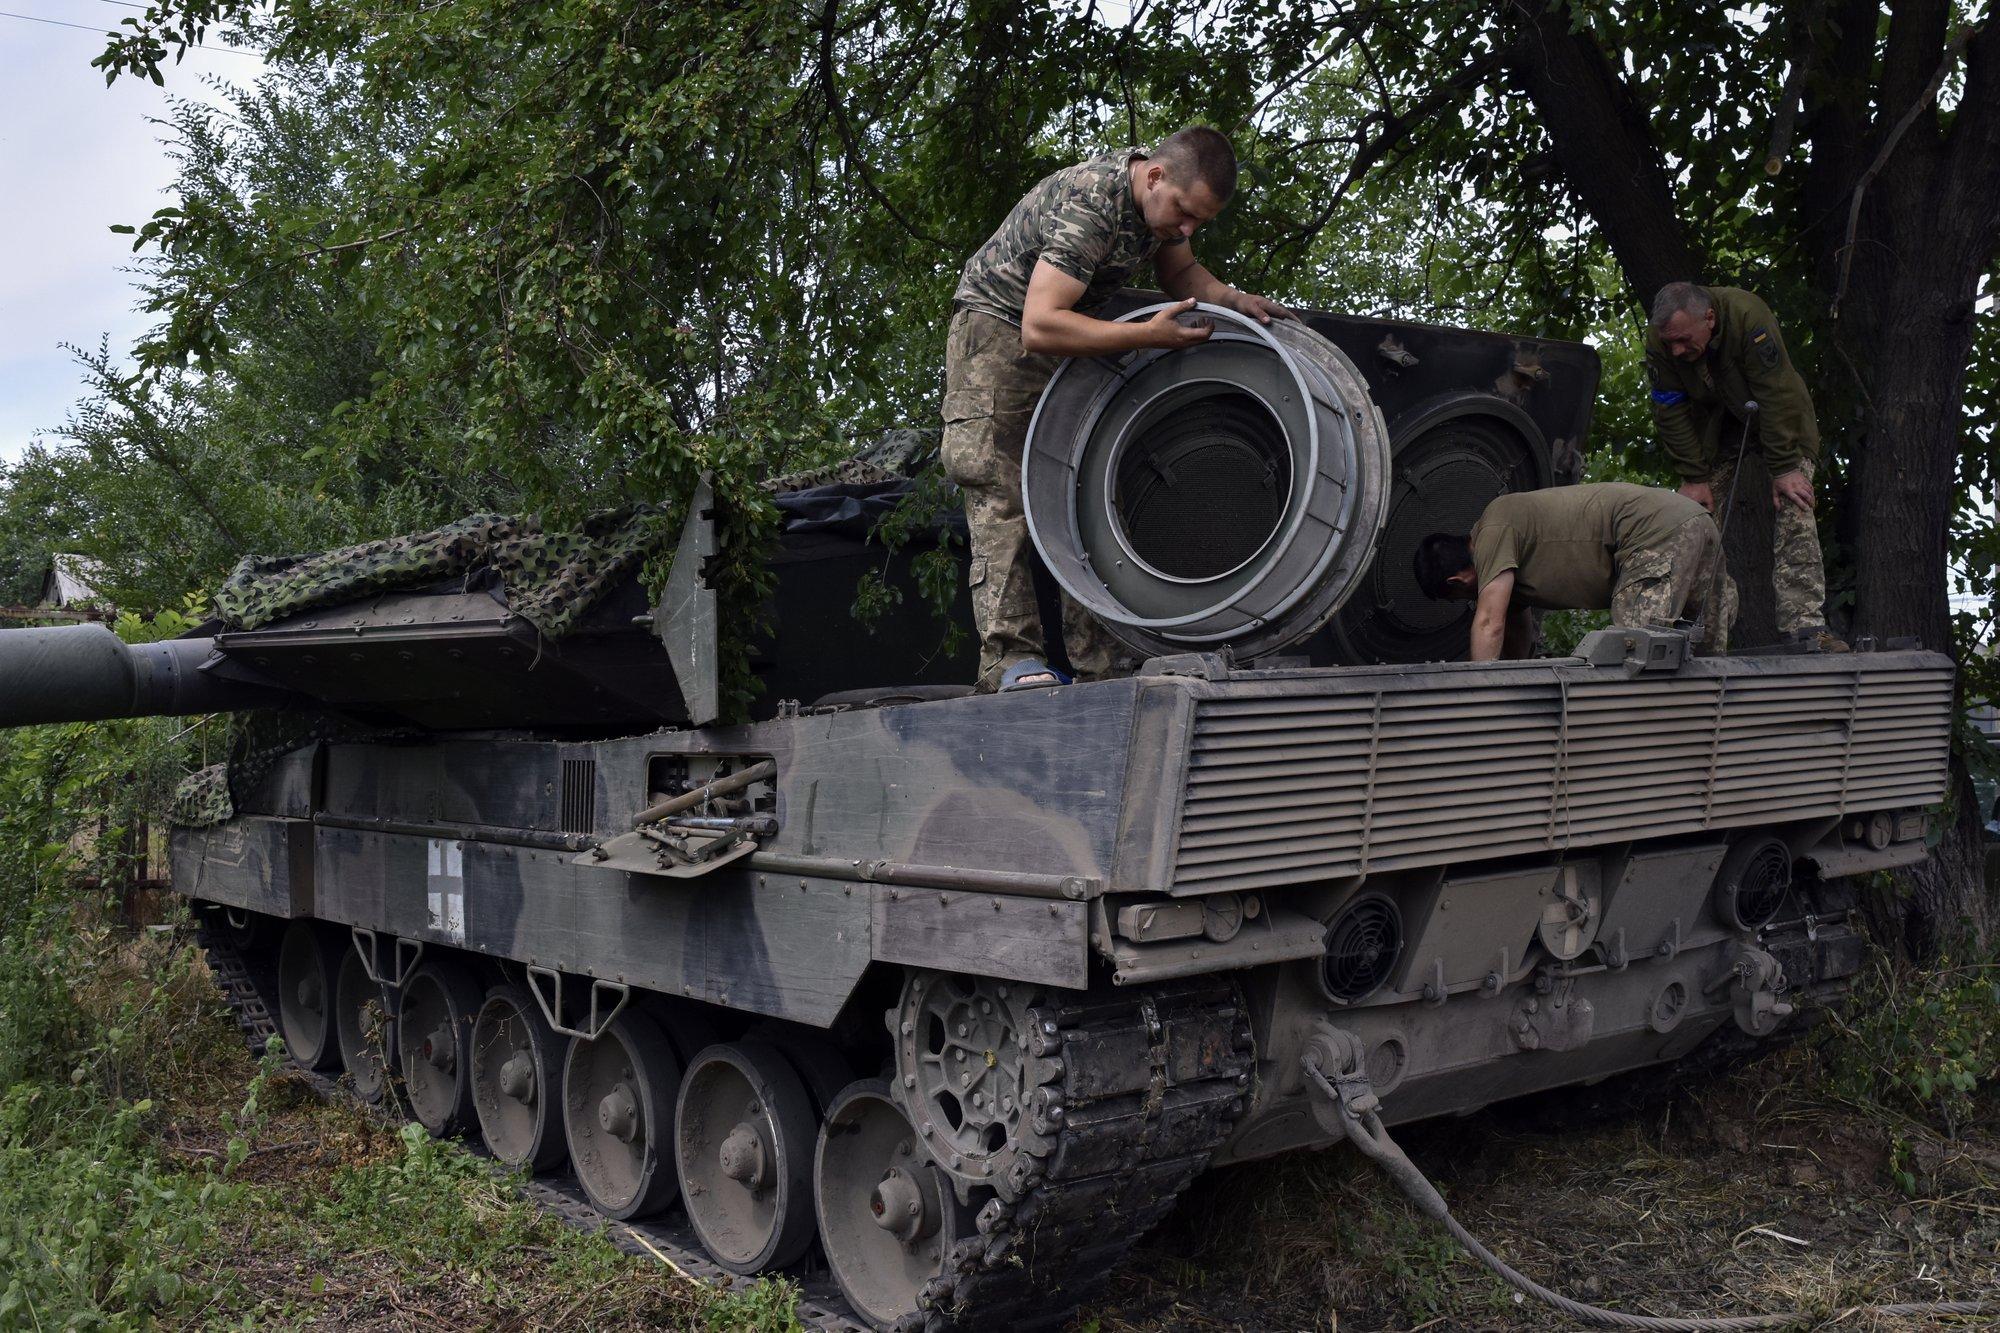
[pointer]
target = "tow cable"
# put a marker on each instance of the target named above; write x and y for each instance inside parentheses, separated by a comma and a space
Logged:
(1347, 1105)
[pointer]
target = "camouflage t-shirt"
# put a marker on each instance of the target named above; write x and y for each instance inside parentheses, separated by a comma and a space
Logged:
(1083, 220)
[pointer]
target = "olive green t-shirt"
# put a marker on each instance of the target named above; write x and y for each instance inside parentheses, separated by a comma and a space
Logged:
(1566, 544)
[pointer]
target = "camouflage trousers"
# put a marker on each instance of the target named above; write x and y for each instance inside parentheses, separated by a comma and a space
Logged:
(1678, 580)
(1798, 575)
(991, 387)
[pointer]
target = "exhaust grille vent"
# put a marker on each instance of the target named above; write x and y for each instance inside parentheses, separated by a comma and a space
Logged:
(1362, 946)
(579, 795)
(1293, 781)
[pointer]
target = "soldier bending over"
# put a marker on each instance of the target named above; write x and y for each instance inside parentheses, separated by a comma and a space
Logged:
(1709, 351)
(1650, 556)
(1023, 302)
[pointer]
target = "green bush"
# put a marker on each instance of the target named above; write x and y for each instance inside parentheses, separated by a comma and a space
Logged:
(94, 1231)
(1922, 1042)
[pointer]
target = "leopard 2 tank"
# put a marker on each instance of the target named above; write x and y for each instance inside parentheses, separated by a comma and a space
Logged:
(936, 1000)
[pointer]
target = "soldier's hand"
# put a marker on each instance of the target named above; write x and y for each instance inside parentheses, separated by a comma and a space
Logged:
(1791, 486)
(1699, 492)
(1260, 308)
(1167, 328)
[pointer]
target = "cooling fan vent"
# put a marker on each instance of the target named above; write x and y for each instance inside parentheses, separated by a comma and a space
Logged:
(1362, 946)
(1753, 881)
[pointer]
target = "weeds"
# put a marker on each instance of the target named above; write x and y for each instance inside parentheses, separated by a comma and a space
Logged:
(151, 1173)
(1923, 1043)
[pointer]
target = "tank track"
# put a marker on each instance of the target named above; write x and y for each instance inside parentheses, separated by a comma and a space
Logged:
(1134, 1092)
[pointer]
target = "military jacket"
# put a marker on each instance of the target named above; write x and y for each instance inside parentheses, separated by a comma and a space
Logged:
(1083, 220)
(1746, 359)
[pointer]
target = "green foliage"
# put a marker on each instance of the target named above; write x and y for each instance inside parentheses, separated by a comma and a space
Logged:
(94, 1232)
(1921, 1043)
(1563, 630)
(923, 515)
(768, 1306)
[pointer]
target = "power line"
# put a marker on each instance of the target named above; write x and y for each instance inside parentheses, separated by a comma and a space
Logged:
(85, 27)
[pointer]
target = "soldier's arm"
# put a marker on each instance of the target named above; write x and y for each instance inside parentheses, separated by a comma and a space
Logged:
(1673, 420)
(1489, 617)
(1182, 276)
(1052, 326)
(1786, 428)
(1520, 637)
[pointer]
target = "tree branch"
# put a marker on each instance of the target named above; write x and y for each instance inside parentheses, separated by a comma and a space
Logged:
(1786, 116)
(1603, 141)
(1927, 98)
(829, 78)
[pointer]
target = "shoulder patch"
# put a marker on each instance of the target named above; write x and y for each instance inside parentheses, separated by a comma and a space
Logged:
(1765, 346)
(1668, 397)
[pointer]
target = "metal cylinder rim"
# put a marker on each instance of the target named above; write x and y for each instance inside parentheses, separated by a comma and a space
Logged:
(1124, 441)
(1248, 330)
(1300, 577)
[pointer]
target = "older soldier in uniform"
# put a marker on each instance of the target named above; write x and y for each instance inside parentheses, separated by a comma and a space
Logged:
(1025, 301)
(1709, 352)
(1648, 555)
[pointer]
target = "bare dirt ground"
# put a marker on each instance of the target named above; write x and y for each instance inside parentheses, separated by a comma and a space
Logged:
(1738, 1193)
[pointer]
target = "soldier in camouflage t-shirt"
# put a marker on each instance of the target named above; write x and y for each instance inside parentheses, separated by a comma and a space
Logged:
(1024, 301)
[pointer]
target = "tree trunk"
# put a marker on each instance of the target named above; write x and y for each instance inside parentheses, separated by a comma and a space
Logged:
(1604, 146)
(1746, 541)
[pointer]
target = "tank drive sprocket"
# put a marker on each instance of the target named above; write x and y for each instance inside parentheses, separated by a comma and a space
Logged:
(1130, 1091)
(963, 1068)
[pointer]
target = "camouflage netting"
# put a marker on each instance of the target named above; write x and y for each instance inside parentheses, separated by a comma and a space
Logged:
(551, 578)
(896, 455)
(257, 741)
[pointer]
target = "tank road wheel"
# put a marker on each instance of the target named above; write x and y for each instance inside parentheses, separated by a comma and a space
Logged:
(618, 1114)
(743, 1138)
(962, 1057)
(434, 1033)
(517, 1080)
(308, 967)
(367, 1036)
(887, 1215)
(819, 1065)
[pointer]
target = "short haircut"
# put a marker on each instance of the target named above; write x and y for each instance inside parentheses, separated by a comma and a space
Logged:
(1199, 153)
(1680, 298)
(1438, 557)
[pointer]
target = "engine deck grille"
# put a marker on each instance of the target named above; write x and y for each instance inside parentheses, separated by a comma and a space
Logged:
(1286, 785)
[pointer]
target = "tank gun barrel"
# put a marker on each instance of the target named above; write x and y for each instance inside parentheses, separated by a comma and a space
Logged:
(85, 673)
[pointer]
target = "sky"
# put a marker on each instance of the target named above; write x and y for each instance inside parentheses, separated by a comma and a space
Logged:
(75, 157)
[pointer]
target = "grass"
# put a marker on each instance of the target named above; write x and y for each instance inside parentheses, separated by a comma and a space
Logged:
(153, 1175)
(156, 1176)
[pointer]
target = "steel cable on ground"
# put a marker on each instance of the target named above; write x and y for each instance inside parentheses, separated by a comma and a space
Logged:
(1366, 1132)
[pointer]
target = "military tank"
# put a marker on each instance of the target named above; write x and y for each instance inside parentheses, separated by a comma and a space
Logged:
(938, 1001)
